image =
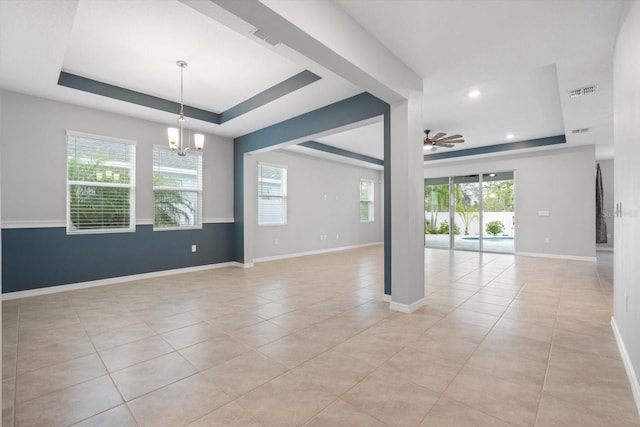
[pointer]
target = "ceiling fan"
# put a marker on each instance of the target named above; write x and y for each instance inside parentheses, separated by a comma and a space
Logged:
(440, 141)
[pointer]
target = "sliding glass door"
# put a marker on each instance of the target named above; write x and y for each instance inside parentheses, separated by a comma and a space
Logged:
(498, 213)
(472, 212)
(466, 196)
(436, 213)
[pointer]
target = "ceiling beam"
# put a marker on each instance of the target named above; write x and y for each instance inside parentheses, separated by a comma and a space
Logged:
(343, 47)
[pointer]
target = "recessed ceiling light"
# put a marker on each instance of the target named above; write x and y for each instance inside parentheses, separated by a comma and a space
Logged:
(510, 136)
(473, 93)
(492, 175)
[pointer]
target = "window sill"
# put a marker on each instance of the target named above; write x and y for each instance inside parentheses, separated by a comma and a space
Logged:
(194, 227)
(100, 231)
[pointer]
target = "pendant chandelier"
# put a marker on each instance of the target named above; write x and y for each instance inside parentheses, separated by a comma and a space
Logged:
(176, 135)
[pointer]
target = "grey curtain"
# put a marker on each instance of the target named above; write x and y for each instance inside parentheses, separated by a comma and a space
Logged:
(601, 225)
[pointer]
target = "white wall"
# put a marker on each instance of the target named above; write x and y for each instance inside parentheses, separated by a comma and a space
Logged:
(309, 215)
(34, 160)
(606, 167)
(560, 181)
(626, 132)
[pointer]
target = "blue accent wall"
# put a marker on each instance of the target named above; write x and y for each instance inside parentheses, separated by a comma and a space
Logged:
(497, 148)
(35, 258)
(315, 145)
(116, 92)
(279, 90)
(387, 201)
(292, 84)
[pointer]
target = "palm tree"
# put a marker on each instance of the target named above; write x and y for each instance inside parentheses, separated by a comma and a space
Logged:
(468, 212)
(172, 207)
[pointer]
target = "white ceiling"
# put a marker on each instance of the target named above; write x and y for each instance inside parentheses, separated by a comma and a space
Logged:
(524, 56)
(506, 49)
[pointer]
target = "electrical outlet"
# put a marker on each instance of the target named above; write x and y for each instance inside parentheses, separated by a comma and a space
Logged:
(194, 248)
(547, 239)
(276, 241)
(337, 236)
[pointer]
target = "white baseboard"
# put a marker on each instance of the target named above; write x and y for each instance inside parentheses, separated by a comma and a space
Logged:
(406, 308)
(603, 249)
(386, 298)
(626, 360)
(113, 280)
(321, 251)
(556, 256)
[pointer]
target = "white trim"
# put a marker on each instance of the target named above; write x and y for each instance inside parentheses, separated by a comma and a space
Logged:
(218, 220)
(604, 249)
(99, 137)
(320, 251)
(245, 265)
(113, 280)
(42, 223)
(54, 223)
(557, 256)
(626, 360)
(176, 228)
(386, 298)
(406, 308)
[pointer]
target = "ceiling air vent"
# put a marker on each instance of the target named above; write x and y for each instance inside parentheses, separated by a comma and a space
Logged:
(583, 130)
(266, 37)
(583, 91)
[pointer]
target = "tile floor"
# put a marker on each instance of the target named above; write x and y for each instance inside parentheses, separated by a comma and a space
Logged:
(502, 341)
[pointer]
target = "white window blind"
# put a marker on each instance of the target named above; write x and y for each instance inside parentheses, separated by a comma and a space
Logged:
(366, 200)
(101, 178)
(177, 189)
(272, 194)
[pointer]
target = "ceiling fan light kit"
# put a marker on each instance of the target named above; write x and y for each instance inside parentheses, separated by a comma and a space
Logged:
(441, 140)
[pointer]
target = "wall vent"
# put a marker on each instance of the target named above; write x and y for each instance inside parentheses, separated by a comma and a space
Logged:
(266, 37)
(583, 130)
(583, 91)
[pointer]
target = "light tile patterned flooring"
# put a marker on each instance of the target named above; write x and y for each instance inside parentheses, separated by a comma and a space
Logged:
(502, 341)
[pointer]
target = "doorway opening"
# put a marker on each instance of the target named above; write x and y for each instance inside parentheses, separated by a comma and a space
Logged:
(471, 212)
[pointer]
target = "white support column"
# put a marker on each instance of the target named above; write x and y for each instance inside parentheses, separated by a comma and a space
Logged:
(327, 36)
(407, 207)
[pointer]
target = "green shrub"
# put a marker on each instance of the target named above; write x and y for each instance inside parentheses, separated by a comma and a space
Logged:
(444, 228)
(494, 228)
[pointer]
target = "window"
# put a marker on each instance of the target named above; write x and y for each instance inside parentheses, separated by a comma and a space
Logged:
(101, 180)
(366, 200)
(177, 189)
(272, 194)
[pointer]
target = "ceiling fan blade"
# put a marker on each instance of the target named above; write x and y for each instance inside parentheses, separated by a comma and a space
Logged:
(446, 145)
(455, 141)
(456, 136)
(438, 136)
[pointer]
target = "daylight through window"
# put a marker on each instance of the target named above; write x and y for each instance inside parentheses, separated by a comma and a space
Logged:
(100, 184)
(272, 194)
(177, 189)
(366, 200)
